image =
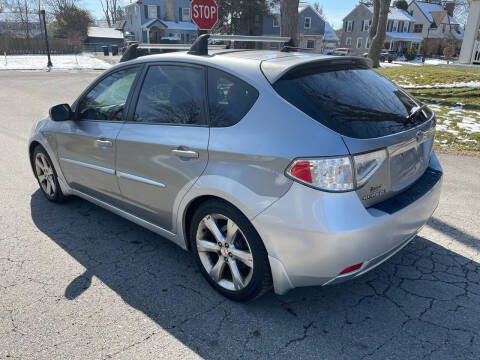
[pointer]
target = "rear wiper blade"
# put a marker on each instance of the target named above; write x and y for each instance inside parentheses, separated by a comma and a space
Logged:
(415, 111)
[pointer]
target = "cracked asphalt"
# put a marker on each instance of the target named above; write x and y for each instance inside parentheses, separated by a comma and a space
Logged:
(79, 282)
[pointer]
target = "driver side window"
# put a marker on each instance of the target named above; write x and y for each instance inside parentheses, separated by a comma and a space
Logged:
(106, 101)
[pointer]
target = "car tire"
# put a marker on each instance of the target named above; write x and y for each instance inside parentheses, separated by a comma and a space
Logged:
(46, 175)
(239, 245)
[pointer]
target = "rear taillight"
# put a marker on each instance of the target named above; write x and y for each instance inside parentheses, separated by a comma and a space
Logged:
(329, 174)
(337, 174)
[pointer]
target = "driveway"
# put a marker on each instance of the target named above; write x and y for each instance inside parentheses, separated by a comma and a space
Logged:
(79, 282)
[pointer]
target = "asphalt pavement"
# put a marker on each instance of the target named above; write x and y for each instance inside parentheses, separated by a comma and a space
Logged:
(79, 282)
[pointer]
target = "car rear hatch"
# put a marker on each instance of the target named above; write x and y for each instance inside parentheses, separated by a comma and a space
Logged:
(378, 121)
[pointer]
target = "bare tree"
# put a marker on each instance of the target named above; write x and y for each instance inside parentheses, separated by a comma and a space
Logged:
(110, 10)
(319, 8)
(23, 11)
(374, 24)
(461, 10)
(381, 7)
(57, 6)
(289, 19)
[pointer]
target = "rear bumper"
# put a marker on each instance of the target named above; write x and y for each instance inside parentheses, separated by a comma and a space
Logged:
(311, 236)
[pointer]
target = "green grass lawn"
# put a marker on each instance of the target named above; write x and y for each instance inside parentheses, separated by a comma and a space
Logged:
(457, 109)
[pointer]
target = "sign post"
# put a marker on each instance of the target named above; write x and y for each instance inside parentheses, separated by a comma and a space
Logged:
(204, 14)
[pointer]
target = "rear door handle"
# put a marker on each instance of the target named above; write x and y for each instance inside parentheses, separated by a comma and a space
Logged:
(104, 143)
(185, 153)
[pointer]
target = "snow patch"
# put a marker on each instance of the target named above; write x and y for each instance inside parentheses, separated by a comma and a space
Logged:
(60, 62)
(461, 84)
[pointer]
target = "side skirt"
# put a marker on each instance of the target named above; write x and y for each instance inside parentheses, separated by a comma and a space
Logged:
(139, 221)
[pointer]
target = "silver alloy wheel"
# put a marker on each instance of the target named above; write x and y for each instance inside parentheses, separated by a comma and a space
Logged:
(45, 174)
(224, 252)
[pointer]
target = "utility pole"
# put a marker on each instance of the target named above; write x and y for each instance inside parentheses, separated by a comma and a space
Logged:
(49, 64)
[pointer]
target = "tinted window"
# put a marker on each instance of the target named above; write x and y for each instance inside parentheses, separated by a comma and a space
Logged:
(172, 95)
(106, 101)
(355, 103)
(229, 98)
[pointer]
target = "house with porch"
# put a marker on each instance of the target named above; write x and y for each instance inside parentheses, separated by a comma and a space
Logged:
(314, 33)
(435, 23)
(400, 36)
(470, 53)
(159, 21)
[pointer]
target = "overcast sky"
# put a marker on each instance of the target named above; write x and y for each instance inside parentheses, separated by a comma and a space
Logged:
(335, 10)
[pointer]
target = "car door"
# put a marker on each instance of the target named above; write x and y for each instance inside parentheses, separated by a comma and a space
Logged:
(86, 145)
(162, 148)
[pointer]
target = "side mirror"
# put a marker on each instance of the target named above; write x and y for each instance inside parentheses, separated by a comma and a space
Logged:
(61, 112)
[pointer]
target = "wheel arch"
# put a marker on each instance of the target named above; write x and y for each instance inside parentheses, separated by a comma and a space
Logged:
(190, 209)
(31, 149)
(195, 203)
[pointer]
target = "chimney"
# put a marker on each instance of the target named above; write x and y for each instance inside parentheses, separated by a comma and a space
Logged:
(170, 10)
(450, 7)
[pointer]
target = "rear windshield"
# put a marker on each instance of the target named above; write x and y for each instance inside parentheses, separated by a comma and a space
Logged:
(357, 103)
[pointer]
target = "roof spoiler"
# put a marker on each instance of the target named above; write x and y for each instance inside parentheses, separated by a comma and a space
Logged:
(134, 49)
(200, 46)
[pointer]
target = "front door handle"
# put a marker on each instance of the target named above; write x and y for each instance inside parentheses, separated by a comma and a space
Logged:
(185, 153)
(103, 143)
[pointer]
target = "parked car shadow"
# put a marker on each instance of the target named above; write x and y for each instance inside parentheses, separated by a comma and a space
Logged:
(422, 302)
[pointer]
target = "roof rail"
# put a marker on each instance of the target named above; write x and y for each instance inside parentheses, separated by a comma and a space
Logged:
(200, 46)
(133, 52)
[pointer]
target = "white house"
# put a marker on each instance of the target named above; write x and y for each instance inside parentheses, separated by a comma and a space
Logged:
(436, 25)
(470, 53)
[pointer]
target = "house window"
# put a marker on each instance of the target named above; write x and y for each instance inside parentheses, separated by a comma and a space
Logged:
(308, 23)
(406, 26)
(395, 26)
(310, 44)
(367, 43)
(443, 28)
(389, 25)
(348, 41)
(418, 28)
(276, 20)
(359, 43)
(130, 18)
(186, 14)
(366, 25)
(152, 12)
(349, 26)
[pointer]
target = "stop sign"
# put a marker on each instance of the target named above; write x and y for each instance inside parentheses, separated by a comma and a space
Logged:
(204, 13)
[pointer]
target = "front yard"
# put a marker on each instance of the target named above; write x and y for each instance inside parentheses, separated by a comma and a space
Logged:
(453, 93)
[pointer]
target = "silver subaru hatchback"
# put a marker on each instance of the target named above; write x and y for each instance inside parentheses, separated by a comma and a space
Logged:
(273, 168)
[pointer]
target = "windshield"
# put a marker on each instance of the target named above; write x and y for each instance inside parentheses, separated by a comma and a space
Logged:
(357, 103)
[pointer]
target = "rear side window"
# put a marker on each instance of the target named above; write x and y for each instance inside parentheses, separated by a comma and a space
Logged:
(172, 95)
(229, 98)
(357, 103)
